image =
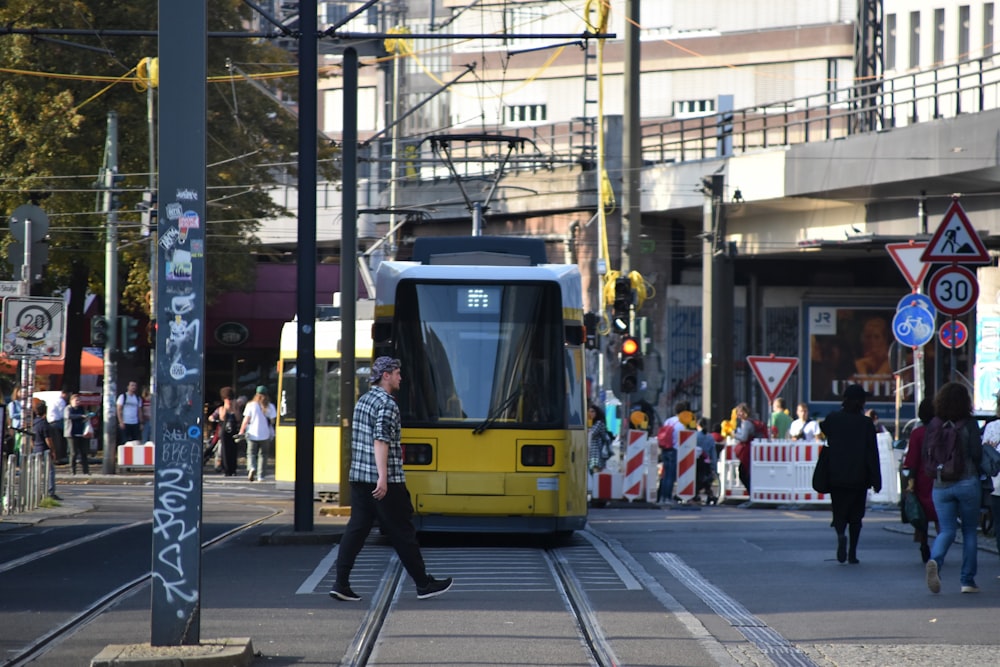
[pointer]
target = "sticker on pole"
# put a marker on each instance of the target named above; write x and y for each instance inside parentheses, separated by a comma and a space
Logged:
(33, 327)
(772, 373)
(955, 240)
(907, 259)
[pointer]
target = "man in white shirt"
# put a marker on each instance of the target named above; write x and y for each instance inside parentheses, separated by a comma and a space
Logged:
(130, 414)
(803, 428)
(54, 413)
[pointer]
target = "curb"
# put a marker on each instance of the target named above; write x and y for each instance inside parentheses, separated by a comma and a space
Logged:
(233, 652)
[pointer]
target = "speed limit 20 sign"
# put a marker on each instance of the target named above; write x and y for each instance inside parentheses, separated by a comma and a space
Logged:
(954, 290)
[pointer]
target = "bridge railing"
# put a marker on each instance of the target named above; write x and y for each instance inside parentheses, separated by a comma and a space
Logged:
(916, 97)
(907, 99)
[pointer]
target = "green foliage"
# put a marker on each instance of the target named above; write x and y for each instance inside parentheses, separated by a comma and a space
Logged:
(53, 125)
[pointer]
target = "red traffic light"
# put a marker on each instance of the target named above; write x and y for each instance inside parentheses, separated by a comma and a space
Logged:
(630, 346)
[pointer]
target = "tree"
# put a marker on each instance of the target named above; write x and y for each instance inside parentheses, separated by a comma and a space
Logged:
(53, 115)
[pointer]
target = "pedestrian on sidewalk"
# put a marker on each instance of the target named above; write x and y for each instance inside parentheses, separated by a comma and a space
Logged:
(991, 438)
(854, 467)
(42, 444)
(378, 486)
(957, 499)
(258, 427)
(76, 414)
(918, 481)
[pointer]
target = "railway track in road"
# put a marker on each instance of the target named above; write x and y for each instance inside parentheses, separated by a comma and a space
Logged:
(554, 571)
(65, 628)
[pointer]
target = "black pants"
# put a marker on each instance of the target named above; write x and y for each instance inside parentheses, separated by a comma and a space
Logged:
(848, 507)
(395, 514)
(80, 448)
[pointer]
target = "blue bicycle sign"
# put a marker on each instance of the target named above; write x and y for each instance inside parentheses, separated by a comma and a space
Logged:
(913, 326)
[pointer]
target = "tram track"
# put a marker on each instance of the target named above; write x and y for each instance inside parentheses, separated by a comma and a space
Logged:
(66, 629)
(567, 586)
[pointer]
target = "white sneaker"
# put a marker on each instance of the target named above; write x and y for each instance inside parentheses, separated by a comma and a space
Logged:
(933, 580)
(250, 474)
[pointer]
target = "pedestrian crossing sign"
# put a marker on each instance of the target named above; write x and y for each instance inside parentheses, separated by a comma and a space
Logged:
(955, 240)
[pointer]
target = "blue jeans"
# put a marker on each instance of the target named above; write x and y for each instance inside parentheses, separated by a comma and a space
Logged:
(958, 502)
(666, 491)
(257, 451)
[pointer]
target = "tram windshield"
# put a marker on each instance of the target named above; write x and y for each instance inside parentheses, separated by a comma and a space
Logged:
(481, 355)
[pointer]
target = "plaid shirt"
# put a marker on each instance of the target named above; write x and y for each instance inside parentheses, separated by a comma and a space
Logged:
(376, 417)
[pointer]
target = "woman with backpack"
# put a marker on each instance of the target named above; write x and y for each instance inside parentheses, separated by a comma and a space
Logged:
(951, 454)
(227, 423)
(599, 450)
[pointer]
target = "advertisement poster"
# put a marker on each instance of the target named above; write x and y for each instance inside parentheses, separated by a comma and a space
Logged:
(850, 345)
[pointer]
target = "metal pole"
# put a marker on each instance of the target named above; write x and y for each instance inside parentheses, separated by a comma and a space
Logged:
(110, 296)
(305, 362)
(348, 270)
(150, 117)
(632, 144)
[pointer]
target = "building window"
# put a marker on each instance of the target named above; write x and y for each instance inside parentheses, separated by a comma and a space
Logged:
(963, 33)
(890, 41)
(938, 37)
(987, 29)
(526, 113)
(914, 39)
(692, 108)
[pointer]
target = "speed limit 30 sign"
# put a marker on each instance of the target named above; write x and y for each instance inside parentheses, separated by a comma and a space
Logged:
(954, 290)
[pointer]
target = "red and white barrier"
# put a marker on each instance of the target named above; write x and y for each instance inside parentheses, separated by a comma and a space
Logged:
(781, 472)
(635, 465)
(136, 455)
(606, 485)
(730, 486)
(687, 465)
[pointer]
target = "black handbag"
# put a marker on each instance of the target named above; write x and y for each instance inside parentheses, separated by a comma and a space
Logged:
(821, 474)
(914, 511)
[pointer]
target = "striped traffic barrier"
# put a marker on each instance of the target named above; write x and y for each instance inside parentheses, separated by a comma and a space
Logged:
(687, 464)
(730, 486)
(635, 465)
(136, 455)
(782, 472)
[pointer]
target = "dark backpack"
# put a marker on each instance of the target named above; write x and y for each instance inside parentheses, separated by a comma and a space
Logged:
(944, 450)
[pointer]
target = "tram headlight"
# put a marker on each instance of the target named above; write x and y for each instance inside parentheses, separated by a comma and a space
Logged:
(538, 455)
(417, 454)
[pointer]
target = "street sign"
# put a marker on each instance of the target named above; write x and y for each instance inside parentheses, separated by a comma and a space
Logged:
(953, 334)
(39, 222)
(33, 327)
(913, 326)
(772, 372)
(921, 300)
(11, 288)
(954, 290)
(907, 259)
(955, 240)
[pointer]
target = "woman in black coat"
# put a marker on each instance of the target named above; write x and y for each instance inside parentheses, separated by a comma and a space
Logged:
(854, 467)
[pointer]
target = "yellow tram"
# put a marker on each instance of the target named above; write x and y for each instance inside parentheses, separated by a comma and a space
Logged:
(326, 450)
(492, 400)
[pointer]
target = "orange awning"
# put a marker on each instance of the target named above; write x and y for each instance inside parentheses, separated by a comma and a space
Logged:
(90, 364)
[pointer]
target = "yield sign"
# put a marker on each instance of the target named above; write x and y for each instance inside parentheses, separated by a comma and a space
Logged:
(907, 259)
(772, 372)
(955, 240)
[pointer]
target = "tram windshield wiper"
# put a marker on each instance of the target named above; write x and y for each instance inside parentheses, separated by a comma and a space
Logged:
(499, 410)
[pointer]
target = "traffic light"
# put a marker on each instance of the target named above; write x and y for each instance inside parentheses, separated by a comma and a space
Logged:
(631, 364)
(128, 335)
(621, 308)
(590, 323)
(98, 331)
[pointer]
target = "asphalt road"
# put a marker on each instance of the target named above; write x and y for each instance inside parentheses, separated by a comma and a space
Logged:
(707, 586)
